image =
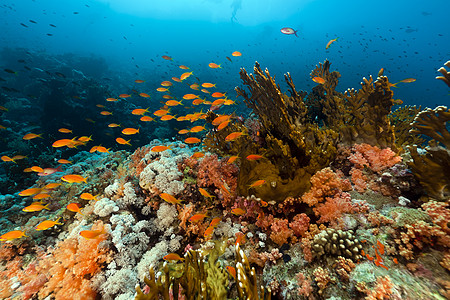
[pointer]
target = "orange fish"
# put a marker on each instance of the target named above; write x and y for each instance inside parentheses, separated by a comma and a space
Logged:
(30, 192)
(240, 238)
(198, 155)
(234, 135)
(192, 140)
(252, 157)
(173, 103)
(139, 81)
(167, 97)
(225, 189)
(130, 131)
(37, 169)
(264, 203)
(185, 75)
(160, 148)
(220, 119)
(197, 218)
(166, 83)
(160, 89)
(190, 96)
(232, 271)
(74, 207)
(30, 136)
(319, 80)
(64, 142)
(65, 130)
(144, 95)
(205, 91)
(124, 96)
(106, 113)
(85, 138)
(41, 196)
(167, 57)
(47, 224)
(218, 102)
(161, 112)
(173, 256)
(197, 101)
(183, 67)
(238, 211)
(92, 234)
(146, 119)
(113, 125)
(18, 157)
(170, 199)
(330, 42)
(167, 118)
(139, 111)
(123, 141)
(52, 185)
(109, 100)
(395, 260)
(176, 79)
(7, 158)
(257, 183)
(223, 125)
(408, 80)
(215, 222)
(64, 161)
(88, 196)
(208, 85)
(231, 159)
(35, 207)
(208, 232)
(183, 131)
(194, 86)
(205, 193)
(217, 95)
(73, 178)
(214, 66)
(236, 53)
(102, 149)
(12, 235)
(197, 128)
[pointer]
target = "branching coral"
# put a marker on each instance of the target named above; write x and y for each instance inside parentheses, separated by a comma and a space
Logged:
(432, 169)
(402, 119)
(445, 74)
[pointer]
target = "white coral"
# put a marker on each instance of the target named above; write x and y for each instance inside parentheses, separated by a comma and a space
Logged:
(104, 207)
(151, 258)
(166, 215)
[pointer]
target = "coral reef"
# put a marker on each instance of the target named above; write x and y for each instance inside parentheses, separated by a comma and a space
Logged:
(445, 74)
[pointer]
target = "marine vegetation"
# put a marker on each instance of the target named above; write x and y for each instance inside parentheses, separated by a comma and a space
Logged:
(313, 195)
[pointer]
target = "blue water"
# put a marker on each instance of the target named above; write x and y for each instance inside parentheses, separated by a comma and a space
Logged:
(407, 38)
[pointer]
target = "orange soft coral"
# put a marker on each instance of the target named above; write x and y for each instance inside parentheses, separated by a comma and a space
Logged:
(365, 155)
(71, 265)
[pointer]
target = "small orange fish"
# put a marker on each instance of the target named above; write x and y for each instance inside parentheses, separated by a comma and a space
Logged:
(190, 96)
(205, 193)
(238, 211)
(18, 157)
(224, 189)
(88, 196)
(167, 118)
(223, 125)
(214, 66)
(92, 234)
(197, 128)
(220, 119)
(161, 112)
(110, 99)
(139, 81)
(170, 199)
(257, 183)
(197, 101)
(139, 111)
(183, 131)
(30, 192)
(183, 67)
(380, 247)
(194, 86)
(208, 232)
(166, 83)
(176, 79)
(233, 136)
(52, 185)
(236, 53)
(167, 57)
(173, 103)
(197, 218)
(185, 75)
(113, 125)
(218, 102)
(41, 196)
(30, 136)
(37, 169)
(330, 42)
(319, 80)
(64, 161)
(73, 178)
(130, 131)
(47, 224)
(208, 85)
(395, 260)
(124, 96)
(232, 271)
(85, 139)
(232, 159)
(35, 207)
(215, 222)
(146, 119)
(160, 89)
(74, 207)
(65, 130)
(252, 157)
(144, 95)
(205, 91)
(198, 155)
(173, 256)
(123, 141)
(7, 159)
(407, 80)
(192, 140)
(240, 238)
(160, 148)
(12, 235)
(217, 95)
(106, 113)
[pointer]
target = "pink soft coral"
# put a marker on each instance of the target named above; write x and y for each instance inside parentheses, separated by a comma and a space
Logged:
(373, 157)
(280, 231)
(324, 183)
(300, 224)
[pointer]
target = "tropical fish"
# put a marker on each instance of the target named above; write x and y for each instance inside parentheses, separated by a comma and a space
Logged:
(319, 80)
(232, 271)
(139, 81)
(50, 171)
(208, 85)
(85, 139)
(192, 140)
(194, 86)
(74, 207)
(222, 125)
(220, 119)
(18, 157)
(231, 159)
(48, 224)
(173, 256)
(197, 218)
(92, 234)
(160, 148)
(73, 178)
(170, 199)
(37, 169)
(130, 131)
(30, 136)
(208, 232)
(288, 31)
(238, 211)
(183, 67)
(198, 155)
(183, 131)
(252, 157)
(215, 222)
(88, 196)
(330, 42)
(64, 161)
(30, 192)
(139, 111)
(161, 112)
(146, 119)
(41, 196)
(236, 53)
(124, 96)
(240, 238)
(35, 207)
(407, 80)
(123, 141)
(185, 75)
(7, 158)
(217, 95)
(233, 136)
(160, 89)
(214, 66)
(167, 118)
(257, 183)
(173, 103)
(52, 185)
(12, 235)
(197, 129)
(144, 95)
(106, 113)
(167, 57)
(109, 100)
(166, 83)
(205, 193)
(65, 130)
(190, 96)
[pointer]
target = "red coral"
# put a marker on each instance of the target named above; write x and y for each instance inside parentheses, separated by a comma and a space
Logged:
(373, 157)
(280, 231)
(332, 210)
(300, 224)
(325, 183)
